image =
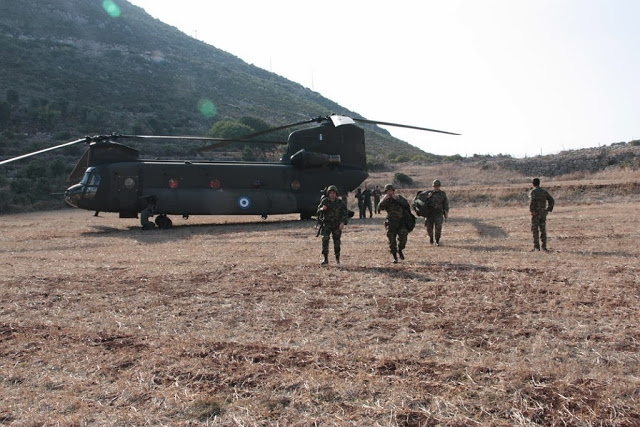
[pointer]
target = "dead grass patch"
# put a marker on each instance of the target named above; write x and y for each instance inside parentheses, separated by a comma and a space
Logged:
(233, 321)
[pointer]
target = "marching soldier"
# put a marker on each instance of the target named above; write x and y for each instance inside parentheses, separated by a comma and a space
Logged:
(335, 216)
(540, 204)
(397, 230)
(438, 211)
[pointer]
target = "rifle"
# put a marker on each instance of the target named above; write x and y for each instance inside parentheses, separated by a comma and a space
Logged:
(320, 223)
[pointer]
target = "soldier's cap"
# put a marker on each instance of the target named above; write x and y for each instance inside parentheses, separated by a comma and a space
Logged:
(388, 187)
(436, 183)
(332, 188)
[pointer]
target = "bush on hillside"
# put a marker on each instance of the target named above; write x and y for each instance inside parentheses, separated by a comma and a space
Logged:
(402, 179)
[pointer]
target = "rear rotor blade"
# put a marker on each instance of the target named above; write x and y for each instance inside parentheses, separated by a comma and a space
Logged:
(24, 156)
(172, 137)
(262, 132)
(376, 122)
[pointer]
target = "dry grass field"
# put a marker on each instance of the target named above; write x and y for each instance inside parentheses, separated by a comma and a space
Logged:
(232, 321)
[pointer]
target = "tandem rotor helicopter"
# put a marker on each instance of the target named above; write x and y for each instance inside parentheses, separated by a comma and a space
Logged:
(113, 177)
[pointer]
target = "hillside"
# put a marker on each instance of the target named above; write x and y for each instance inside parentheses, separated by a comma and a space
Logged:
(71, 69)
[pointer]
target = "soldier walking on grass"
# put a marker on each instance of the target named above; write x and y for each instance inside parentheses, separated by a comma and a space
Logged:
(540, 203)
(434, 206)
(397, 230)
(334, 216)
(376, 199)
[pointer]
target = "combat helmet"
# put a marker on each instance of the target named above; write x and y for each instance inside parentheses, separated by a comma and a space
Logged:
(388, 187)
(332, 188)
(436, 183)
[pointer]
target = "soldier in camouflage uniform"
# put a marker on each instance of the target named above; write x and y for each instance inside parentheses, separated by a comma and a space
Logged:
(540, 203)
(147, 213)
(334, 216)
(397, 231)
(438, 205)
(376, 199)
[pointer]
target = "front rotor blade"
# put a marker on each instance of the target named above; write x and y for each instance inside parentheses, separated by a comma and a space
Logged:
(79, 168)
(375, 122)
(24, 156)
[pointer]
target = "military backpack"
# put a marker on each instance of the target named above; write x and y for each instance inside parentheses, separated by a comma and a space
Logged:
(421, 203)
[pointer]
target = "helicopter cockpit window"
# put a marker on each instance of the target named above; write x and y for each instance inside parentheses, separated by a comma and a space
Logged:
(90, 181)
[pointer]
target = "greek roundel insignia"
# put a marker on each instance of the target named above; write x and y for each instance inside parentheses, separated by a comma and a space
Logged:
(244, 202)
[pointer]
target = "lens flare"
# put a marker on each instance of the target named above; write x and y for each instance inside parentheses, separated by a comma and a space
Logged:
(111, 8)
(207, 108)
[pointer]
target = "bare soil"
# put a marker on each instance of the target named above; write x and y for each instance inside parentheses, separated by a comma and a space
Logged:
(232, 321)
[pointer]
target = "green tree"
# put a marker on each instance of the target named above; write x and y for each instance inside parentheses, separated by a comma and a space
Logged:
(402, 179)
(229, 129)
(258, 125)
(248, 154)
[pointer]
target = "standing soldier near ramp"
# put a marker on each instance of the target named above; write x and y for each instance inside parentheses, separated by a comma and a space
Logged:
(540, 203)
(397, 231)
(366, 195)
(376, 199)
(334, 216)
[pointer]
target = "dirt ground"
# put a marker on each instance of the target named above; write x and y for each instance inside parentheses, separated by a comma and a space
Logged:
(232, 321)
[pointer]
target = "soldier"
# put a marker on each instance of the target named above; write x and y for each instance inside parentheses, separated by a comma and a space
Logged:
(147, 213)
(436, 206)
(366, 195)
(360, 198)
(397, 231)
(376, 199)
(334, 218)
(540, 203)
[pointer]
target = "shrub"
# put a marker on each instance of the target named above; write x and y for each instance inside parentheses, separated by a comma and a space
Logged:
(402, 179)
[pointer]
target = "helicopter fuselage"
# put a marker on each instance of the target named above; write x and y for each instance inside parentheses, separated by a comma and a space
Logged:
(208, 188)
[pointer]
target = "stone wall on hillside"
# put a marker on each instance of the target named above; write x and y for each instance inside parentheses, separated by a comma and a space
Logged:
(585, 160)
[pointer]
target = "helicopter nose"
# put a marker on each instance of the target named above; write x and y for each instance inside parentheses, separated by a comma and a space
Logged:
(73, 195)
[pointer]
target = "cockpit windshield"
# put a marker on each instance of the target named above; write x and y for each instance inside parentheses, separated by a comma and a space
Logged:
(90, 182)
(90, 178)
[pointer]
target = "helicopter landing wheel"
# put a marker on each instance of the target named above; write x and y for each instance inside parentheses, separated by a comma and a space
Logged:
(163, 222)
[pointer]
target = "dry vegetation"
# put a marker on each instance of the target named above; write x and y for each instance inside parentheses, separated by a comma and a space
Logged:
(232, 321)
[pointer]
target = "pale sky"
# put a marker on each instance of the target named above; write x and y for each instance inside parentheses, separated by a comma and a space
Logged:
(519, 77)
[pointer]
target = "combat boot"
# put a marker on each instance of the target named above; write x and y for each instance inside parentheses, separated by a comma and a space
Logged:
(395, 258)
(337, 258)
(437, 243)
(326, 259)
(401, 254)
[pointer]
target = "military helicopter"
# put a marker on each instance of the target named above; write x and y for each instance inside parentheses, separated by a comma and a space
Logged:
(113, 178)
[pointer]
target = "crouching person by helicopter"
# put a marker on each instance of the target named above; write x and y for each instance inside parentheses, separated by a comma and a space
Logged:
(147, 213)
(333, 216)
